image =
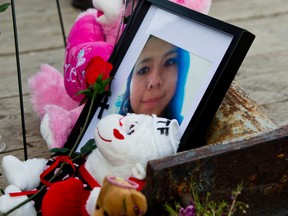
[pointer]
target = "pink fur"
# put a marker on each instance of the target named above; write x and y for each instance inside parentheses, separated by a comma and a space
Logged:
(61, 123)
(47, 87)
(202, 6)
(85, 41)
(111, 32)
(85, 29)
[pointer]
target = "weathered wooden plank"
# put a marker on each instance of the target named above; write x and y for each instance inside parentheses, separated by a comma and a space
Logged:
(278, 112)
(267, 88)
(259, 164)
(11, 131)
(10, 124)
(238, 10)
(263, 64)
(264, 78)
(30, 64)
(270, 33)
(40, 14)
(44, 14)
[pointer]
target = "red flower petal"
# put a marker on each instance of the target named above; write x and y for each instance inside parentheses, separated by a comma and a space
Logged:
(96, 67)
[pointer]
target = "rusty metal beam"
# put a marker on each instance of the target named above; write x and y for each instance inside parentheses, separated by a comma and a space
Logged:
(259, 163)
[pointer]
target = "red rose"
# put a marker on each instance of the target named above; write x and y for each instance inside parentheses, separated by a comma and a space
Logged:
(96, 67)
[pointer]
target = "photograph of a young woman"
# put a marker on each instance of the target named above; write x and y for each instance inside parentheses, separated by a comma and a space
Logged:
(164, 79)
(156, 84)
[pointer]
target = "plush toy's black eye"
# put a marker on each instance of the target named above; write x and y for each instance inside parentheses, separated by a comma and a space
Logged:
(106, 213)
(97, 207)
(131, 129)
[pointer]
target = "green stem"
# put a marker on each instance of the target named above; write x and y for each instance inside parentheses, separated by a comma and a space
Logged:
(230, 213)
(84, 126)
(236, 193)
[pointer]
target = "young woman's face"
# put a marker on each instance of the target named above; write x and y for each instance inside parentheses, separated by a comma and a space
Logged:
(154, 78)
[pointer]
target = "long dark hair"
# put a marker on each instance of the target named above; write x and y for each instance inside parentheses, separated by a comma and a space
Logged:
(174, 108)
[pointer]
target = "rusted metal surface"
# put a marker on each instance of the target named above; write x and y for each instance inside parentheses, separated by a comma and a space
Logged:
(260, 164)
(239, 117)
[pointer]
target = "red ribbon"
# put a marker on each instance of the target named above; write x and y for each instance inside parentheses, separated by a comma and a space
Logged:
(65, 159)
(88, 178)
(141, 183)
(24, 193)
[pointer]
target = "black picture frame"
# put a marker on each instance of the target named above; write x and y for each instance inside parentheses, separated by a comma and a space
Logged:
(220, 46)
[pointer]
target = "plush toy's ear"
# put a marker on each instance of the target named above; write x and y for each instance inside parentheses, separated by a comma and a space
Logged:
(167, 143)
(140, 202)
(105, 180)
(174, 134)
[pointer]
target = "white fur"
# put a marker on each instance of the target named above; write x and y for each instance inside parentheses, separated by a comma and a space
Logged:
(91, 203)
(111, 10)
(46, 131)
(7, 202)
(138, 172)
(24, 175)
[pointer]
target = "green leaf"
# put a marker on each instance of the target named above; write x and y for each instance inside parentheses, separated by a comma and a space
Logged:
(170, 210)
(99, 78)
(85, 91)
(97, 87)
(59, 150)
(106, 82)
(4, 6)
(88, 147)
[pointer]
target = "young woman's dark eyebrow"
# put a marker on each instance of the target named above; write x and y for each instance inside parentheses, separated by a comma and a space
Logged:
(144, 60)
(171, 52)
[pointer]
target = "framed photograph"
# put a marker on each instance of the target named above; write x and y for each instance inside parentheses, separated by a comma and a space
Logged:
(173, 62)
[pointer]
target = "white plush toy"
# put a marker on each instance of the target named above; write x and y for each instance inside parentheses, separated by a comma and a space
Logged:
(124, 145)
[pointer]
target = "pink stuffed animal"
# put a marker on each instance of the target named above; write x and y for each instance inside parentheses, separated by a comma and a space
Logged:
(52, 95)
(94, 33)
